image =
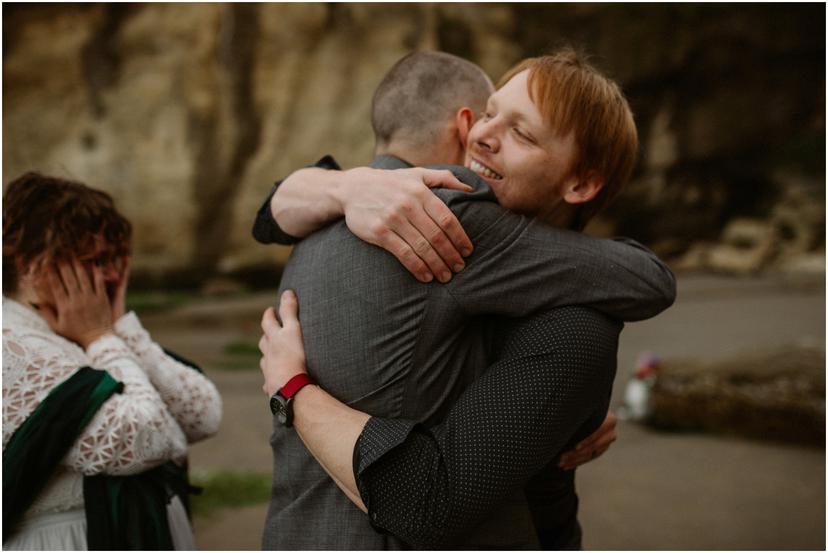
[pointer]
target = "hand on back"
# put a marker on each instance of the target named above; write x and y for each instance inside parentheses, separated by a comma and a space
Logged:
(283, 351)
(397, 211)
(592, 447)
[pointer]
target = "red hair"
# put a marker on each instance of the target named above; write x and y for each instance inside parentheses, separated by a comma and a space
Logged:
(573, 96)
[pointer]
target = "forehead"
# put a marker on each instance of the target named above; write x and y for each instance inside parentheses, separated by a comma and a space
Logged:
(514, 95)
(515, 101)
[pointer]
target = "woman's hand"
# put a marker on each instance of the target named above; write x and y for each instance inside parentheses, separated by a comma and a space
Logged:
(82, 311)
(397, 211)
(119, 299)
(283, 353)
(592, 447)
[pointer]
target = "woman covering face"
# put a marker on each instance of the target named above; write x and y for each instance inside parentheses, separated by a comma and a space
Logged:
(93, 457)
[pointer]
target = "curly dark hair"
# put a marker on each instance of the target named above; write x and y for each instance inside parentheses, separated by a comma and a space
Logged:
(52, 219)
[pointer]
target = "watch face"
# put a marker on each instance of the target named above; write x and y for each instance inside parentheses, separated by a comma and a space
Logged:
(281, 408)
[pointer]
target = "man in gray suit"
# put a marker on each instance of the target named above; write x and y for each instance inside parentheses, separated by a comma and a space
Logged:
(394, 347)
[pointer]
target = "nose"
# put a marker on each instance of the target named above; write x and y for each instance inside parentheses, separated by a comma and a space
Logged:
(487, 137)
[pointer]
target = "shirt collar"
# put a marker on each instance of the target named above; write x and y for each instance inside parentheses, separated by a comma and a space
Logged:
(384, 161)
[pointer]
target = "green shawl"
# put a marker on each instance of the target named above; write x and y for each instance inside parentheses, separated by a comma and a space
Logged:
(122, 512)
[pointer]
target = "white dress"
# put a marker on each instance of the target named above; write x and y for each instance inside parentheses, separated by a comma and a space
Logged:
(164, 405)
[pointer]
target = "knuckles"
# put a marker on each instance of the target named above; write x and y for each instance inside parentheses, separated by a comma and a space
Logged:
(446, 220)
(421, 246)
(378, 228)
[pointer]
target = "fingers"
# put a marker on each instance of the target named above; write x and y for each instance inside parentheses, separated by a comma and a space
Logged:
(442, 178)
(99, 287)
(595, 445)
(269, 322)
(289, 308)
(605, 434)
(459, 243)
(574, 459)
(123, 278)
(82, 277)
(414, 232)
(432, 241)
(400, 249)
(67, 276)
(442, 215)
(56, 285)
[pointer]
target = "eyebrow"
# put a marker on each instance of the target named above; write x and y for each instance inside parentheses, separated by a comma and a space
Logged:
(520, 118)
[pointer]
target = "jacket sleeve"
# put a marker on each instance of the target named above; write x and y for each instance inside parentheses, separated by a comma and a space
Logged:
(428, 486)
(521, 265)
(265, 228)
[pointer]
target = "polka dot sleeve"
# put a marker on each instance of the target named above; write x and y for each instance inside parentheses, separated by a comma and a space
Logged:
(548, 388)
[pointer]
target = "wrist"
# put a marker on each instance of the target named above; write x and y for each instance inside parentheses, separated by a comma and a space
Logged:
(281, 402)
(91, 337)
(338, 192)
(342, 188)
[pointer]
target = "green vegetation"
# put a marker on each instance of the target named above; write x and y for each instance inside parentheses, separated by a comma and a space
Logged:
(223, 488)
(242, 348)
(240, 355)
(157, 300)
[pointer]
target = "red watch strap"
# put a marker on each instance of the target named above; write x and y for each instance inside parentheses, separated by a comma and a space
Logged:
(295, 384)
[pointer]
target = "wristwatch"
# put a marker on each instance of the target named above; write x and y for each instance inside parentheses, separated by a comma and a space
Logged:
(281, 403)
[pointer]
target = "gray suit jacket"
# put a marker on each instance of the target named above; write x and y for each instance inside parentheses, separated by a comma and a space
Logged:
(386, 344)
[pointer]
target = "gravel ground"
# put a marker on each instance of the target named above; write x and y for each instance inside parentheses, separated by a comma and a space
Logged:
(651, 490)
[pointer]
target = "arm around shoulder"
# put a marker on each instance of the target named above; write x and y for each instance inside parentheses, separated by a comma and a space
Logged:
(521, 265)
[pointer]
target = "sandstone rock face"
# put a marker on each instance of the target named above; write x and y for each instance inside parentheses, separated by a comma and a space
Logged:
(187, 113)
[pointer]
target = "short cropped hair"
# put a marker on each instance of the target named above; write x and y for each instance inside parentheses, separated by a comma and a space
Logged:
(52, 219)
(420, 92)
(573, 96)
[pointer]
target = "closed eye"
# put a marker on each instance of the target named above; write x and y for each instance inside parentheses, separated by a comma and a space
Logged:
(523, 136)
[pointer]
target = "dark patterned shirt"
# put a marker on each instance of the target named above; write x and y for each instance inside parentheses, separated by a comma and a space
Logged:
(550, 388)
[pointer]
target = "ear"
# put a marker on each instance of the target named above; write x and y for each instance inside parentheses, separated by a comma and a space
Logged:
(579, 190)
(463, 120)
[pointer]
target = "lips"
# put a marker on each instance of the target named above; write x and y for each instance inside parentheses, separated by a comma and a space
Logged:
(484, 171)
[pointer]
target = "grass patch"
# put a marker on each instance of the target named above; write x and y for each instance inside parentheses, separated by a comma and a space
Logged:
(224, 488)
(240, 355)
(247, 364)
(242, 348)
(157, 300)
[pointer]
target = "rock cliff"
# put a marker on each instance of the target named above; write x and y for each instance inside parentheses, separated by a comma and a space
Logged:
(186, 113)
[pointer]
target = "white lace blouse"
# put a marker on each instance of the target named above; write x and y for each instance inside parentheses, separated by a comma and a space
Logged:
(164, 405)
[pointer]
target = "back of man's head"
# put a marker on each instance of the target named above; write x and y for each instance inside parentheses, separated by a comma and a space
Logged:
(420, 94)
(573, 96)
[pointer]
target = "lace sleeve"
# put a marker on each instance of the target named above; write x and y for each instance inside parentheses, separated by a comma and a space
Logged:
(131, 432)
(189, 395)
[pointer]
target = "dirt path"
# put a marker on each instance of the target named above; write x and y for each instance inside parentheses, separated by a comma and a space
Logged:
(652, 490)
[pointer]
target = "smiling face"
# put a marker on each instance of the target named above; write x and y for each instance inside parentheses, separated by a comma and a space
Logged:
(526, 163)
